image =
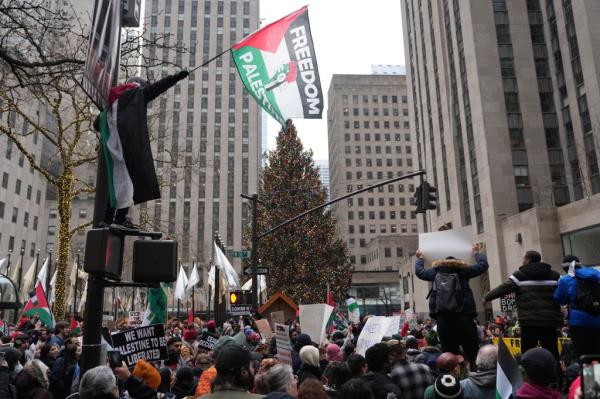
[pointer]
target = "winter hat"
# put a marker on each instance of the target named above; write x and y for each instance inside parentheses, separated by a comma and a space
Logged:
(185, 374)
(447, 386)
(301, 341)
(310, 355)
(411, 342)
(232, 357)
(248, 331)
(145, 371)
(540, 366)
(190, 335)
(38, 372)
(334, 353)
(431, 338)
(11, 355)
(211, 325)
(221, 343)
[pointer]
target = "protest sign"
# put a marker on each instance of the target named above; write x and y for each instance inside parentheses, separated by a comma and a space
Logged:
(148, 343)
(441, 244)
(241, 310)
(136, 318)
(277, 317)
(207, 341)
(372, 333)
(313, 320)
(508, 303)
(514, 344)
(284, 350)
(394, 327)
(264, 329)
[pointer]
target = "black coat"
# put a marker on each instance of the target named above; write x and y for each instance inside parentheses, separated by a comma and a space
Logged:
(534, 286)
(307, 371)
(381, 385)
(465, 273)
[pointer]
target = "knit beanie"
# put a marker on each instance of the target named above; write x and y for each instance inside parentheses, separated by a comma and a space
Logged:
(432, 338)
(334, 353)
(540, 366)
(447, 386)
(145, 371)
(310, 355)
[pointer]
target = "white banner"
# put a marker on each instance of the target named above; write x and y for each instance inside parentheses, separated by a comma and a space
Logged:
(284, 349)
(441, 244)
(313, 320)
(394, 327)
(372, 333)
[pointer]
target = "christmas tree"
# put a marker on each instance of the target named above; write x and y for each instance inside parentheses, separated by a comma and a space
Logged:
(304, 256)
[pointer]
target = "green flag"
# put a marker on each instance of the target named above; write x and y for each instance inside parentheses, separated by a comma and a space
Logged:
(156, 313)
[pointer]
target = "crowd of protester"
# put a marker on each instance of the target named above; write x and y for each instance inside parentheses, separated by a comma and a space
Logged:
(414, 363)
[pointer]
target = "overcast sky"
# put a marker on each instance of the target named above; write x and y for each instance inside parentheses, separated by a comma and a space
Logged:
(349, 36)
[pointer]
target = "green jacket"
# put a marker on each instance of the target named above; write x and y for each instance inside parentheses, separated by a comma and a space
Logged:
(534, 286)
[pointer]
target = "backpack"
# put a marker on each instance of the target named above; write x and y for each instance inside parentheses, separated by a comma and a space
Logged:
(446, 288)
(587, 297)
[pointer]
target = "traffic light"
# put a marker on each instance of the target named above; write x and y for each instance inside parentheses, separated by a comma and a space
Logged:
(236, 297)
(425, 197)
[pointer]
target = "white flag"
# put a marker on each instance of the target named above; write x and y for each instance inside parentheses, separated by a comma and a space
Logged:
(28, 282)
(52, 286)
(223, 264)
(14, 272)
(211, 276)
(181, 285)
(262, 284)
(43, 274)
(81, 304)
(3, 263)
(72, 281)
(194, 279)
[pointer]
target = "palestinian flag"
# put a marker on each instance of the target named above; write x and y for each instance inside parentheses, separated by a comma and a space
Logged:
(353, 311)
(508, 375)
(278, 66)
(75, 326)
(156, 313)
(38, 306)
(329, 327)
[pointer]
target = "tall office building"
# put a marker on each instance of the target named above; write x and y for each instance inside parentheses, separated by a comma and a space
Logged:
(323, 165)
(504, 110)
(370, 141)
(207, 128)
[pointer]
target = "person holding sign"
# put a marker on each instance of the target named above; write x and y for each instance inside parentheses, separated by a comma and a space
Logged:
(539, 315)
(451, 300)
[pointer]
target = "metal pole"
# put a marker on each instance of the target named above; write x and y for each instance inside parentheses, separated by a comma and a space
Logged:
(21, 270)
(49, 274)
(217, 286)
(178, 310)
(94, 303)
(37, 262)
(8, 263)
(424, 214)
(254, 253)
(76, 284)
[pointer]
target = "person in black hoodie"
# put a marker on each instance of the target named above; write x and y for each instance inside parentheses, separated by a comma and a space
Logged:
(539, 315)
(377, 379)
(185, 384)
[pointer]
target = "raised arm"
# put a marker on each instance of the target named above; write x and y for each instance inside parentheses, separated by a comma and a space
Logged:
(420, 271)
(157, 88)
(478, 268)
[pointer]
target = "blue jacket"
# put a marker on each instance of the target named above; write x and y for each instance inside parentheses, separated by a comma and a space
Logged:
(566, 293)
(465, 273)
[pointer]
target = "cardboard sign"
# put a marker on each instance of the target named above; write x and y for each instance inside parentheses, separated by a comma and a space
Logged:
(277, 317)
(313, 320)
(372, 333)
(136, 318)
(207, 341)
(148, 343)
(394, 327)
(284, 350)
(508, 303)
(264, 329)
(441, 244)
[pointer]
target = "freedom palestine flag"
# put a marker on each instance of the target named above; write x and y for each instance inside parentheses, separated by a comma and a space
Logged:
(508, 375)
(278, 66)
(156, 312)
(38, 306)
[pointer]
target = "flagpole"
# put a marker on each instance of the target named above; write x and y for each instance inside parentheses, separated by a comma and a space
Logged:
(37, 262)
(76, 283)
(49, 275)
(21, 270)
(8, 263)
(212, 59)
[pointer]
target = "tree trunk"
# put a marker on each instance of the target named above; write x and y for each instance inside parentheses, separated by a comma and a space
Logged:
(65, 186)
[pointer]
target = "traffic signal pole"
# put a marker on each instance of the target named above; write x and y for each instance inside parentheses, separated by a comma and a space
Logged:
(424, 214)
(256, 237)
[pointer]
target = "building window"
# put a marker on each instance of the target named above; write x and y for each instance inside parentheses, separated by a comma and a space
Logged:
(53, 213)
(5, 180)
(15, 215)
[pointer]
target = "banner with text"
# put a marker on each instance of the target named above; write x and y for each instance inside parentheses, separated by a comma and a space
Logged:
(282, 337)
(148, 343)
(514, 344)
(207, 341)
(313, 320)
(372, 333)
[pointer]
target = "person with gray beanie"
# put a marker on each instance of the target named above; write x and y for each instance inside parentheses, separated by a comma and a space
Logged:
(98, 383)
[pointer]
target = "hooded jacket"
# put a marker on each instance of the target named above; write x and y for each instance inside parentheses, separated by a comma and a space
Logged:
(530, 391)
(465, 273)
(534, 286)
(381, 385)
(480, 385)
(566, 292)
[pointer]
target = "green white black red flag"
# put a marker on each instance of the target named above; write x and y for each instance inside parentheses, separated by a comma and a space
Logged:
(38, 306)
(278, 66)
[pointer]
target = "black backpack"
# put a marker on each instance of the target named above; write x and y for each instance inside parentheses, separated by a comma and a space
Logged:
(446, 288)
(587, 297)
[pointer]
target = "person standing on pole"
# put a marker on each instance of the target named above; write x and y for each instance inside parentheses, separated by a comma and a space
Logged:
(539, 315)
(451, 300)
(125, 143)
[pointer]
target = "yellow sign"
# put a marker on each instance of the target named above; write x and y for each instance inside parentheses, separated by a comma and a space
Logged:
(514, 344)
